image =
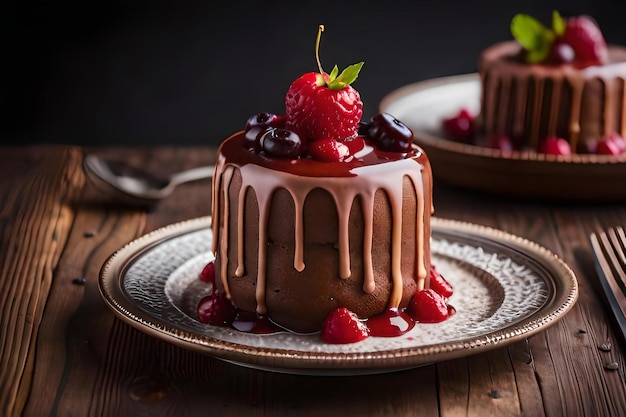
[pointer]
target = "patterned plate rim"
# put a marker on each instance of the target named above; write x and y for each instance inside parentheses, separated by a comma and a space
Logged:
(563, 298)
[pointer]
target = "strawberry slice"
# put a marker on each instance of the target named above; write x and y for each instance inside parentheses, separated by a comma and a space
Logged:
(426, 306)
(321, 105)
(355, 144)
(328, 150)
(343, 326)
(439, 284)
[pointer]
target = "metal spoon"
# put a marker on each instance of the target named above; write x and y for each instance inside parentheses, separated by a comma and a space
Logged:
(130, 182)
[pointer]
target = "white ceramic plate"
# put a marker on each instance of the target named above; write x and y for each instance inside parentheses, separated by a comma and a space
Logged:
(506, 289)
(529, 175)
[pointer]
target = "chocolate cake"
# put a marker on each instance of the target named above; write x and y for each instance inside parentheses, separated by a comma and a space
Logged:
(297, 239)
(532, 102)
(553, 90)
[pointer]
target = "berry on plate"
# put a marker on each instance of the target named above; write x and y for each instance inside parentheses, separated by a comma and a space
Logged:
(216, 310)
(439, 284)
(460, 127)
(613, 144)
(555, 146)
(321, 105)
(427, 306)
(343, 326)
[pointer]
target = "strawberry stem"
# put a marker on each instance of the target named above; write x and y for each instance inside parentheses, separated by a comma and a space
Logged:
(334, 80)
(317, 48)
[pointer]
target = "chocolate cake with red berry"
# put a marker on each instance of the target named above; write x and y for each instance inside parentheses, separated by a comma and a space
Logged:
(321, 222)
(555, 90)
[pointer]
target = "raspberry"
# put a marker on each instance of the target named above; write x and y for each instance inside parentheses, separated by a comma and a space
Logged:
(555, 146)
(426, 306)
(315, 111)
(439, 284)
(460, 127)
(584, 36)
(343, 326)
(322, 105)
(613, 144)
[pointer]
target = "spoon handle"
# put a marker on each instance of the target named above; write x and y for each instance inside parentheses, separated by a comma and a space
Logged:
(192, 175)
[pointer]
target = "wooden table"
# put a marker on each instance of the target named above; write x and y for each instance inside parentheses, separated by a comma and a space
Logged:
(64, 353)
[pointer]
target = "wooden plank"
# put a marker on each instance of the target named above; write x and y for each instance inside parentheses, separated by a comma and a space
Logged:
(39, 206)
(66, 373)
(492, 390)
(453, 387)
(586, 328)
(526, 381)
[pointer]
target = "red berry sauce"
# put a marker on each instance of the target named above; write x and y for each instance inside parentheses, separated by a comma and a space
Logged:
(214, 309)
(391, 323)
(369, 155)
(253, 323)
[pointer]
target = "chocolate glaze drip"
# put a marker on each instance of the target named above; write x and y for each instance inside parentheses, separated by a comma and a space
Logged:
(357, 180)
(531, 102)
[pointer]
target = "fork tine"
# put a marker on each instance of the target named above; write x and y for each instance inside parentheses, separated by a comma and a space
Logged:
(617, 239)
(606, 259)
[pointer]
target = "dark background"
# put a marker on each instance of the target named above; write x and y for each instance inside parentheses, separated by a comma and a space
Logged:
(186, 73)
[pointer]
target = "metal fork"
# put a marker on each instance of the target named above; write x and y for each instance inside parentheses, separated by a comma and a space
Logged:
(609, 249)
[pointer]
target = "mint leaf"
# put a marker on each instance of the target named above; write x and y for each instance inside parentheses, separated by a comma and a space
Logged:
(527, 30)
(537, 55)
(534, 37)
(347, 77)
(558, 24)
(333, 74)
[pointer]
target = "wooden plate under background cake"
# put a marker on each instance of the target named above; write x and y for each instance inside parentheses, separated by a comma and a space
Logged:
(529, 175)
